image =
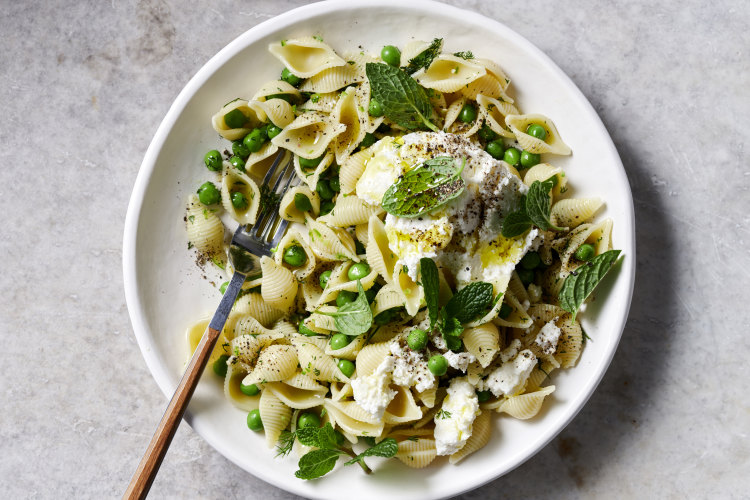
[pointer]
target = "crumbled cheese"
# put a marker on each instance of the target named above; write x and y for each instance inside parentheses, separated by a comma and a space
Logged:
(459, 361)
(371, 392)
(547, 337)
(410, 368)
(454, 421)
(510, 377)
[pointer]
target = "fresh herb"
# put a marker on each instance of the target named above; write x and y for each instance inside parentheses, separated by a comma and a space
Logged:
(268, 199)
(402, 99)
(318, 38)
(425, 188)
(579, 284)
(535, 210)
(413, 439)
(353, 318)
(431, 286)
(464, 55)
(470, 301)
(442, 414)
(329, 442)
(286, 443)
(190, 245)
(283, 43)
(424, 59)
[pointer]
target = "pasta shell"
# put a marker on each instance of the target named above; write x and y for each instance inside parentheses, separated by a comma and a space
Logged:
(379, 255)
(544, 171)
(233, 134)
(204, 228)
(316, 363)
(350, 211)
(525, 406)
(551, 144)
(402, 408)
(370, 357)
(275, 363)
(494, 113)
(350, 112)
(276, 87)
(232, 383)
(288, 209)
(306, 56)
(487, 85)
(351, 418)
(449, 73)
(277, 111)
(254, 305)
(483, 342)
(309, 134)
(571, 212)
(481, 431)
(329, 243)
(275, 416)
(418, 453)
(279, 286)
(339, 77)
(352, 168)
(233, 182)
(294, 238)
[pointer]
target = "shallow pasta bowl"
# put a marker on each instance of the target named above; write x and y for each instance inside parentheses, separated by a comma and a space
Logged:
(166, 292)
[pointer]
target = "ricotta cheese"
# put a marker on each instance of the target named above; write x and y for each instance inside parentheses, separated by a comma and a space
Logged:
(410, 368)
(459, 360)
(454, 421)
(372, 392)
(547, 337)
(510, 377)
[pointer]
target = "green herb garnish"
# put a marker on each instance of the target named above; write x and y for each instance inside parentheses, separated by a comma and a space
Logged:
(353, 318)
(401, 98)
(425, 188)
(535, 210)
(431, 286)
(424, 59)
(579, 284)
(268, 199)
(464, 55)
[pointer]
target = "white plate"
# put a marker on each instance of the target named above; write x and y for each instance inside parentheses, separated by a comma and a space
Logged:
(165, 291)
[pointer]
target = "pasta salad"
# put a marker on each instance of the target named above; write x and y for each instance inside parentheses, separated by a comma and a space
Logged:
(434, 266)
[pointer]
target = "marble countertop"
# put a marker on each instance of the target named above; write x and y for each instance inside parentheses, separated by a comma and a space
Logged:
(83, 89)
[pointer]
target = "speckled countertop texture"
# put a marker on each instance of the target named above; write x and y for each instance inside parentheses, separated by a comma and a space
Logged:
(84, 86)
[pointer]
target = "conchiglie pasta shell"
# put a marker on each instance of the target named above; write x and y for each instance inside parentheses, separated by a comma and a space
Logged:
(601, 236)
(259, 162)
(275, 363)
(277, 111)
(568, 244)
(544, 313)
(518, 318)
(483, 342)
(254, 305)
(341, 391)
(341, 76)
(352, 169)
(322, 323)
(324, 102)
(370, 357)
(571, 212)
(296, 398)
(481, 431)
(350, 112)
(539, 376)
(487, 85)
(350, 211)
(402, 408)
(515, 285)
(544, 171)
(411, 293)
(413, 49)
(276, 87)
(351, 418)
(305, 56)
(204, 228)
(232, 383)
(449, 73)
(525, 406)
(330, 244)
(379, 254)
(279, 286)
(494, 113)
(236, 182)
(311, 178)
(309, 134)
(417, 454)
(275, 416)
(194, 334)
(289, 211)
(234, 134)
(316, 363)
(387, 297)
(494, 69)
(350, 350)
(293, 238)
(551, 144)
(570, 343)
(360, 232)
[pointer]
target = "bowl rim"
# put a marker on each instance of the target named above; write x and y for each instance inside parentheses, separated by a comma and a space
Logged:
(156, 365)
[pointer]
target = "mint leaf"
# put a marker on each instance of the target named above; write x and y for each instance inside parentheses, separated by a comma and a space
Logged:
(402, 99)
(327, 437)
(515, 224)
(470, 301)
(580, 283)
(353, 318)
(425, 188)
(431, 286)
(317, 463)
(309, 436)
(538, 204)
(424, 59)
(387, 448)
(449, 326)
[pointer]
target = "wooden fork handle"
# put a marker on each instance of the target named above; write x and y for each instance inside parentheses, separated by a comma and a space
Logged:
(157, 448)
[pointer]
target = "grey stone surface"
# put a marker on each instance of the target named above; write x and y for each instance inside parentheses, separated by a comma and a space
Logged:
(84, 86)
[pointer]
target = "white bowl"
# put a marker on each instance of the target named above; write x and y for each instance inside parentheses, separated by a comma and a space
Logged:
(165, 291)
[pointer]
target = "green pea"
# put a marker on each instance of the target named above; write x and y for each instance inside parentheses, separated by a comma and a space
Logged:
(495, 149)
(358, 271)
(212, 159)
(208, 194)
(531, 260)
(324, 190)
(359, 248)
(324, 277)
(512, 156)
(326, 207)
(344, 297)
(254, 423)
(585, 252)
(308, 419)
(486, 133)
(371, 292)
(375, 109)
(273, 131)
(235, 119)
(237, 163)
(249, 390)
(437, 365)
(254, 140)
(302, 202)
(505, 311)
(417, 339)
(468, 113)
(526, 275)
(536, 130)
(346, 367)
(391, 55)
(310, 162)
(306, 331)
(223, 287)
(239, 201)
(335, 183)
(290, 77)
(295, 256)
(483, 396)
(529, 159)
(239, 149)
(220, 365)
(339, 341)
(368, 141)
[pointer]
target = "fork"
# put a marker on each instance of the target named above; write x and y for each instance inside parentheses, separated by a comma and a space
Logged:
(247, 247)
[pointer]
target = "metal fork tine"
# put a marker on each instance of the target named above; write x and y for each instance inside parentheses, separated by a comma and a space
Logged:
(271, 222)
(279, 233)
